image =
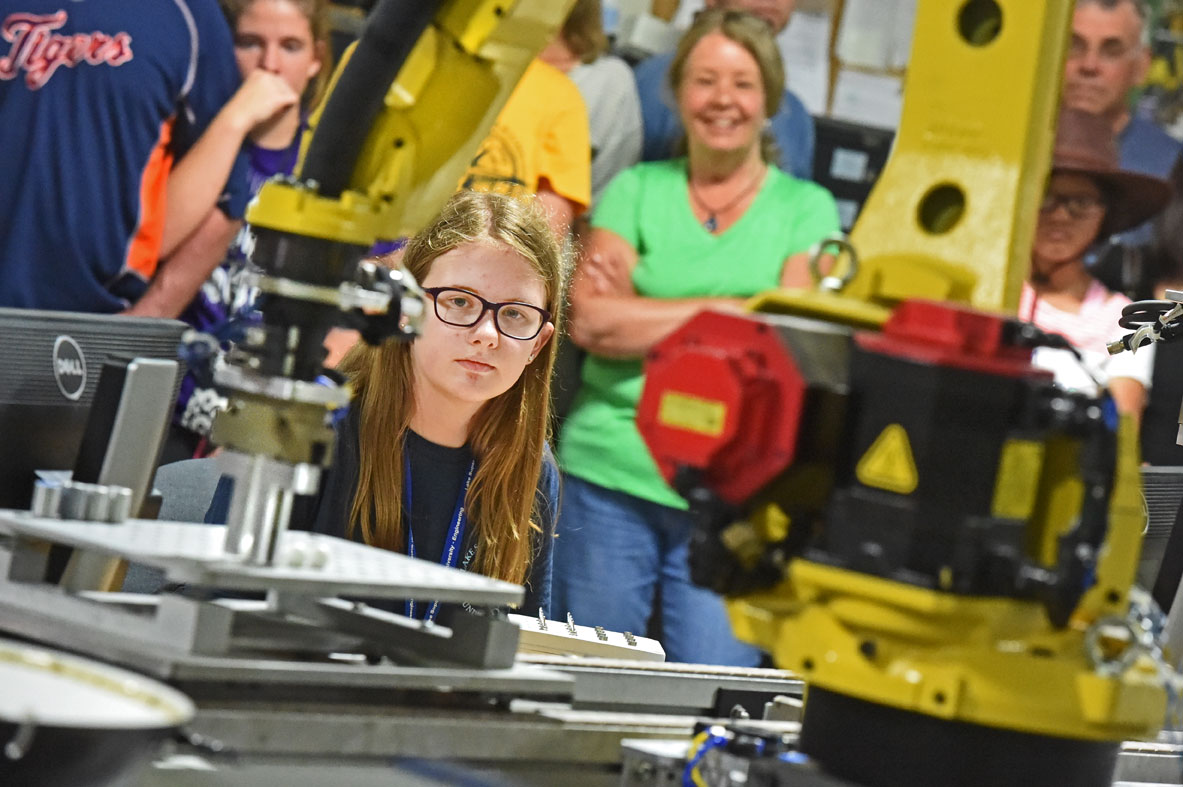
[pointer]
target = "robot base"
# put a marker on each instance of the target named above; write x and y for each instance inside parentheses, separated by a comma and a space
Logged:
(879, 746)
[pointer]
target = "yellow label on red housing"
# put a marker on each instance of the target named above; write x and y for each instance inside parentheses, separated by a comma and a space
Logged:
(692, 413)
(888, 463)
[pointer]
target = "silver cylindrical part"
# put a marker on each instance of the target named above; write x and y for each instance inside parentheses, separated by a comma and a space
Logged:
(119, 500)
(47, 499)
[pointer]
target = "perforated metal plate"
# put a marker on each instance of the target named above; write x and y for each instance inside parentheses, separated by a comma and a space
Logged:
(309, 563)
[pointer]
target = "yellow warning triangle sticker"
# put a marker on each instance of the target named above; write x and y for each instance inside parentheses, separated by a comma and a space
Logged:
(888, 463)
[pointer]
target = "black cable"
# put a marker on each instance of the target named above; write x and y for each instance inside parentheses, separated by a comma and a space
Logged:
(1030, 335)
(1142, 313)
(393, 28)
(1139, 313)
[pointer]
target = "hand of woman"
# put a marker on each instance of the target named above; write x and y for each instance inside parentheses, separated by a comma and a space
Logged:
(796, 274)
(1129, 397)
(607, 264)
(262, 96)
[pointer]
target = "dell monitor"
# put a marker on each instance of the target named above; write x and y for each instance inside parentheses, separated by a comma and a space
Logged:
(50, 366)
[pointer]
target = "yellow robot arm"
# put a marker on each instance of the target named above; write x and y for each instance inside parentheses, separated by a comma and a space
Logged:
(380, 172)
(953, 214)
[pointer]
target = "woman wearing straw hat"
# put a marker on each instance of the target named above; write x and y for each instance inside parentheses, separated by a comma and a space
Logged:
(1088, 197)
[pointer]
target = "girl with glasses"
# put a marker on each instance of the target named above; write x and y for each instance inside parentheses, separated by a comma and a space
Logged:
(1088, 197)
(443, 454)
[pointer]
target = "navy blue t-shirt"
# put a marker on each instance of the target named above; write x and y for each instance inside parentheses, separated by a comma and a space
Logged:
(438, 475)
(96, 100)
(1145, 148)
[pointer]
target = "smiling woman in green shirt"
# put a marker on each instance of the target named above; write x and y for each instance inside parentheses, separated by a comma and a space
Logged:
(670, 239)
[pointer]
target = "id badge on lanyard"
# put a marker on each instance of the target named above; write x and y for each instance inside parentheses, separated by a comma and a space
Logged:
(455, 536)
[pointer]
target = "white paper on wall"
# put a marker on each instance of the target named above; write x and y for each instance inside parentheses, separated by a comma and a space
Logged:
(866, 32)
(876, 34)
(805, 48)
(686, 11)
(901, 42)
(869, 99)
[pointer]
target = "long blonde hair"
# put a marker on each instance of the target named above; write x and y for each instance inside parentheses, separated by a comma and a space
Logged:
(509, 432)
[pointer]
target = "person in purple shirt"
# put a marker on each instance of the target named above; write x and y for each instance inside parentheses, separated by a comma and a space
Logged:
(290, 40)
(791, 126)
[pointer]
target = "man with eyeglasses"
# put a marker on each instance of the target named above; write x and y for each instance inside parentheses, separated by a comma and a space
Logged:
(1108, 57)
(1088, 195)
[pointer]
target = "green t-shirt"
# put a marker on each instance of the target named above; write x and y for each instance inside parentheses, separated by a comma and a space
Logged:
(649, 206)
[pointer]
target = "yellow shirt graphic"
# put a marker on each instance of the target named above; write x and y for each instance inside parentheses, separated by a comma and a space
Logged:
(540, 137)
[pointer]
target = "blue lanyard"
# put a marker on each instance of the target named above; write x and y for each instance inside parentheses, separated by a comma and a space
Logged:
(455, 534)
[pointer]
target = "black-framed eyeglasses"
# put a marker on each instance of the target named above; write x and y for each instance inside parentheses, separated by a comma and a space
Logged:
(464, 309)
(1079, 206)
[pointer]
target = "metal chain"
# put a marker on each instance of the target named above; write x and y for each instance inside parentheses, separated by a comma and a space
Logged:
(1142, 628)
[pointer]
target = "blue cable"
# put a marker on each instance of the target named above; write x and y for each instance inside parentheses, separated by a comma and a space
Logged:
(713, 742)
